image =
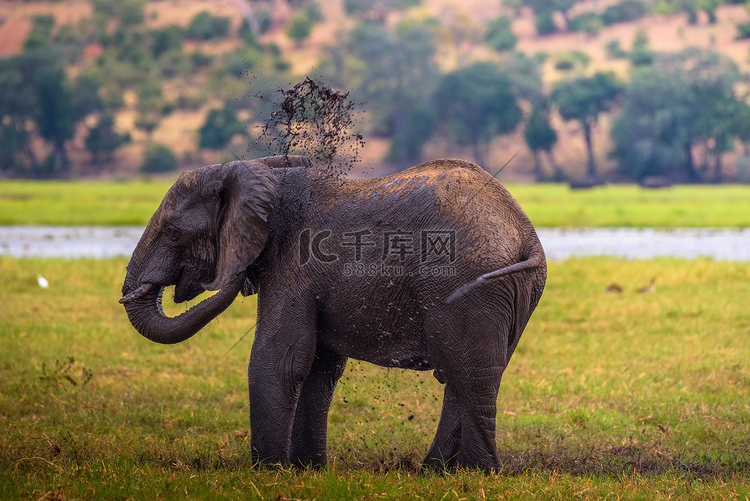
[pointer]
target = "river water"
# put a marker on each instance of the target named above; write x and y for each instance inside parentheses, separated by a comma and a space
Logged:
(559, 244)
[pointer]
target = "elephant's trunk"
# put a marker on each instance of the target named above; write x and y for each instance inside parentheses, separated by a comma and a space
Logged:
(143, 306)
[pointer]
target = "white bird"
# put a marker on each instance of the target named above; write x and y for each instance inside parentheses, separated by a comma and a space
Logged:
(43, 283)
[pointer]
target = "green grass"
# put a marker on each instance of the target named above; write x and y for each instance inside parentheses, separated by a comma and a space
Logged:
(80, 203)
(608, 396)
(548, 205)
(697, 206)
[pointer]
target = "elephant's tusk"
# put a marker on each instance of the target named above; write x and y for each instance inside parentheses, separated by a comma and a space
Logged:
(137, 294)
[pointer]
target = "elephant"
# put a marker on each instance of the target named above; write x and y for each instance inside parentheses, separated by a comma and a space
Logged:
(433, 268)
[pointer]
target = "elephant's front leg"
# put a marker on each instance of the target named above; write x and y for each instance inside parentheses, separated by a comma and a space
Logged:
(279, 363)
(311, 420)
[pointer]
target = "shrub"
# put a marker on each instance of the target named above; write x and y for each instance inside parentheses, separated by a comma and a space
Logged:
(500, 34)
(568, 60)
(743, 31)
(201, 59)
(624, 11)
(263, 17)
(545, 25)
(204, 26)
(242, 62)
(220, 127)
(159, 158)
(40, 32)
(614, 50)
(300, 26)
(589, 22)
(314, 12)
(166, 39)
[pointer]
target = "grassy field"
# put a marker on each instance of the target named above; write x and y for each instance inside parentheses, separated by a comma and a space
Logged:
(548, 205)
(623, 396)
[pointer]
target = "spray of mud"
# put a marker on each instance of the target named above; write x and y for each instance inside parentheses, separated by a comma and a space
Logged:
(315, 120)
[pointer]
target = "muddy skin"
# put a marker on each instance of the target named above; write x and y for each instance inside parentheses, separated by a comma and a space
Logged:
(349, 269)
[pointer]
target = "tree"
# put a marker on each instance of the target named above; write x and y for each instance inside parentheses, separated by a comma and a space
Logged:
(543, 9)
(589, 22)
(624, 11)
(641, 53)
(684, 100)
(540, 136)
(220, 127)
(398, 68)
(300, 26)
(54, 113)
(166, 39)
(17, 103)
(369, 9)
(36, 96)
(150, 106)
(500, 34)
(204, 26)
(103, 140)
(159, 158)
(583, 100)
(40, 33)
(474, 104)
(655, 132)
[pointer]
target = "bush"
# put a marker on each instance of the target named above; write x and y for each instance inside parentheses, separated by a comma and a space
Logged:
(220, 127)
(569, 59)
(545, 25)
(166, 39)
(204, 26)
(626, 10)
(300, 26)
(175, 63)
(159, 158)
(200, 59)
(40, 32)
(263, 17)
(103, 140)
(242, 62)
(589, 22)
(743, 31)
(614, 50)
(500, 34)
(314, 12)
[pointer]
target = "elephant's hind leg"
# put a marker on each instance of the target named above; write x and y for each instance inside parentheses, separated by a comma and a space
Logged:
(311, 418)
(468, 346)
(445, 447)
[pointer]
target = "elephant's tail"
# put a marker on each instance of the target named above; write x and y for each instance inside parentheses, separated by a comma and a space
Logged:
(534, 258)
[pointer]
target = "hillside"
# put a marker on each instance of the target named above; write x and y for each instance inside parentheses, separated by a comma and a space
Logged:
(459, 41)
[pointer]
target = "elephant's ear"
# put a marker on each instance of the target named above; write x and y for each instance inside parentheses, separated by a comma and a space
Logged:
(248, 194)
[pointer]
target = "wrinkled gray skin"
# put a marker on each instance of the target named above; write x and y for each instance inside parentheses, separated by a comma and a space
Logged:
(256, 226)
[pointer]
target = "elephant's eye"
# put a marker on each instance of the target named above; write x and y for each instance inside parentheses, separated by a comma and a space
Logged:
(172, 233)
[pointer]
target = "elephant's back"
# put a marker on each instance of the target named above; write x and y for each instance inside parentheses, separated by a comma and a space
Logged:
(450, 182)
(444, 195)
(492, 229)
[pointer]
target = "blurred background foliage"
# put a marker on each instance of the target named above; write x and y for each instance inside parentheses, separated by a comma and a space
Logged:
(588, 90)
